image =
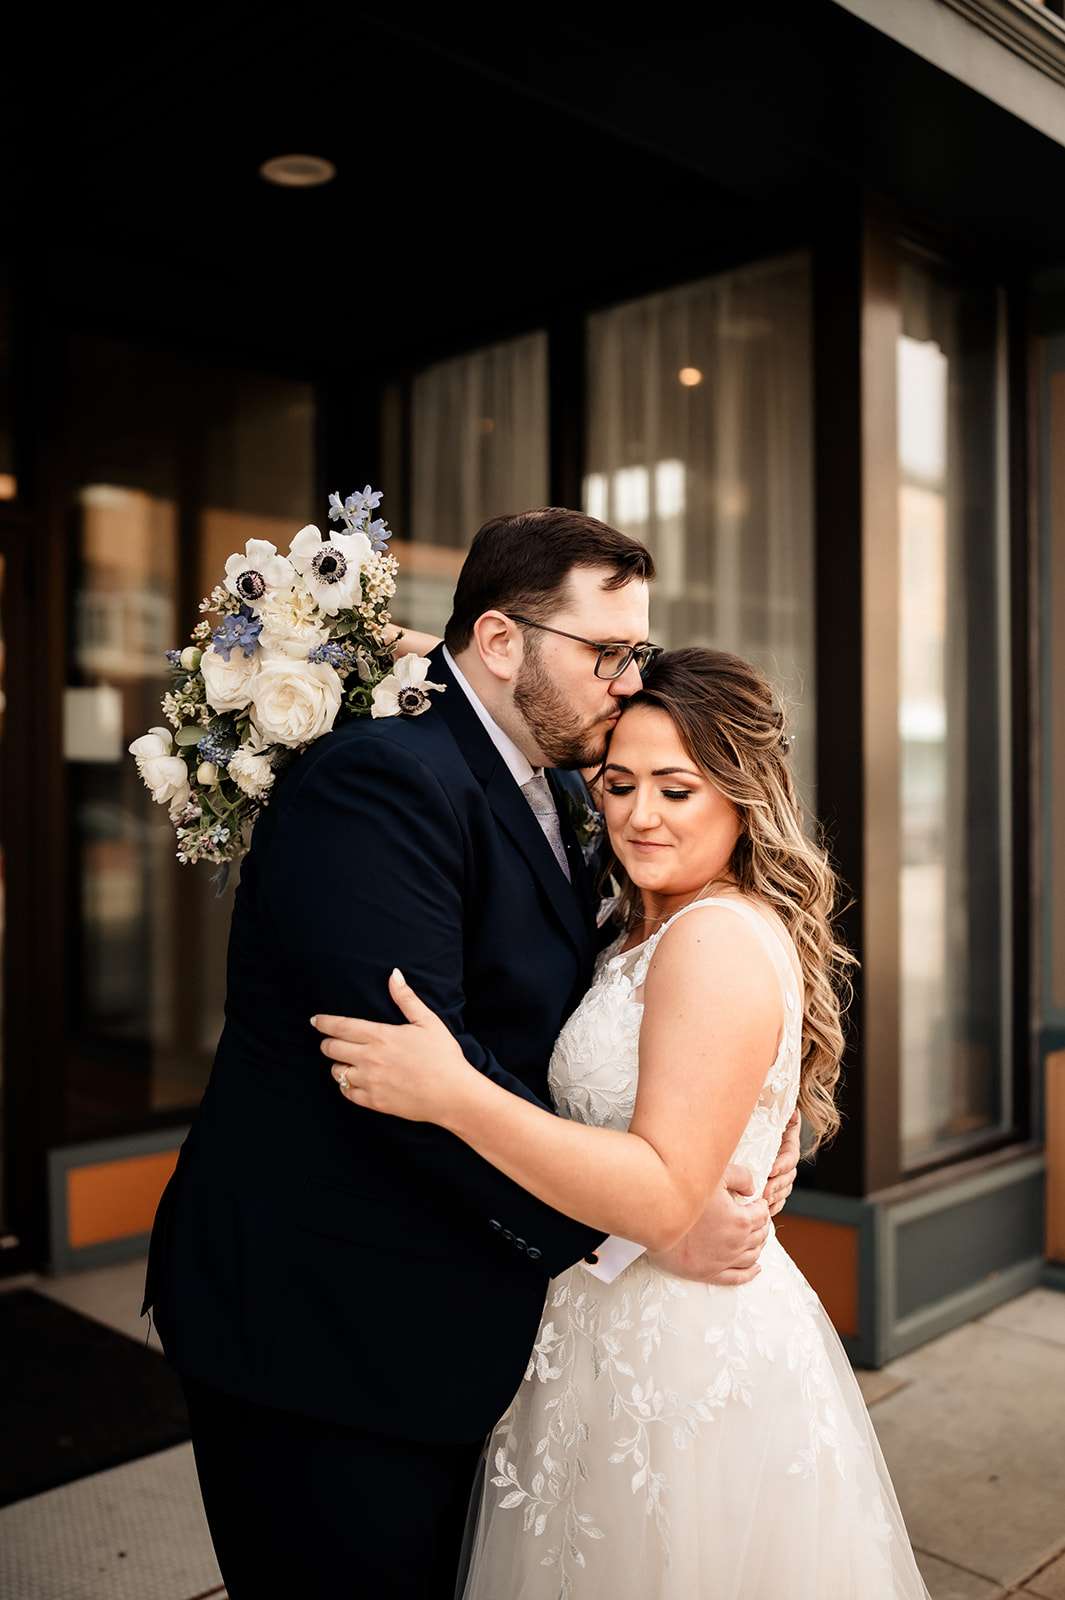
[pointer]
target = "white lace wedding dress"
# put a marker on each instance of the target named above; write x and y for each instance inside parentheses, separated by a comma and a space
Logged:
(672, 1440)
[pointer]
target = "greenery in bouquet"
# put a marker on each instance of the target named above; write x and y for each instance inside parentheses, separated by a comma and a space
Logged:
(287, 647)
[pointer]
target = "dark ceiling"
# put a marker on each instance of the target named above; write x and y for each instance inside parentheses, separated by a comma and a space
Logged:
(486, 178)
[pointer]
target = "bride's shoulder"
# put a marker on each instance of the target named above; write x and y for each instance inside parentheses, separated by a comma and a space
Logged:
(726, 933)
(709, 929)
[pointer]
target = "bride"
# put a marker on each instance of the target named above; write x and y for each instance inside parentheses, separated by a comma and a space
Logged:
(674, 1440)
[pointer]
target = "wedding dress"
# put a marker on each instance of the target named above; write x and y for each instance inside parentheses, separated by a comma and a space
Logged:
(674, 1440)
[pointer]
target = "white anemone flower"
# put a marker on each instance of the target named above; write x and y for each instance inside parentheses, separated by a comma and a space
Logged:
(405, 692)
(258, 573)
(331, 568)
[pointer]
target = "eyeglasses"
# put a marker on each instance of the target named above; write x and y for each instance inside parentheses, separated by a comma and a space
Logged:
(613, 658)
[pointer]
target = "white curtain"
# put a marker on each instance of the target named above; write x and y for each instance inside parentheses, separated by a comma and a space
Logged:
(479, 448)
(700, 444)
(479, 439)
(953, 717)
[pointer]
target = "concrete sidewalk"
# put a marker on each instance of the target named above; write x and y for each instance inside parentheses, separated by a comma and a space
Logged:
(972, 1425)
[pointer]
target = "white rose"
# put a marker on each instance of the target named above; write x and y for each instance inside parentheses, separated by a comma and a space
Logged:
(166, 775)
(229, 683)
(294, 702)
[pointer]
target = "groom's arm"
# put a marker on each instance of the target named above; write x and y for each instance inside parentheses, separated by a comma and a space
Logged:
(366, 870)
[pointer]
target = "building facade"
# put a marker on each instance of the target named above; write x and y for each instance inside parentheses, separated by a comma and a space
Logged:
(783, 297)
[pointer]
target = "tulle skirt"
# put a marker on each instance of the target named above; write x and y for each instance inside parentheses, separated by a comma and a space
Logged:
(676, 1441)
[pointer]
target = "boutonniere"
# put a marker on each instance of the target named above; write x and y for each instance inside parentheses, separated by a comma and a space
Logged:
(405, 692)
(586, 822)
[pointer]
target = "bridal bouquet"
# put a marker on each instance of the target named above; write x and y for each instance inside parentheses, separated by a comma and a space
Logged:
(287, 647)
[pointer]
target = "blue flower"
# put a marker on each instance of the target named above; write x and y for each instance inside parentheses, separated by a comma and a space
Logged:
(331, 654)
(379, 533)
(363, 500)
(355, 508)
(174, 657)
(216, 747)
(241, 628)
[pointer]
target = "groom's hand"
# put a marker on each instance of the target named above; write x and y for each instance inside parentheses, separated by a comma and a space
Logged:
(726, 1242)
(782, 1176)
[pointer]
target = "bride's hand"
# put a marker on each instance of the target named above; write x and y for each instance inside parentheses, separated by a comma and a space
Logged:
(414, 1070)
(408, 642)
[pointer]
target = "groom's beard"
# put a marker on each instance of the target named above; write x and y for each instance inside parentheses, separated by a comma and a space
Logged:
(564, 740)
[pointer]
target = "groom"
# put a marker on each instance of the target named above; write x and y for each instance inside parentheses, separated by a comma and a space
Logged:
(350, 1300)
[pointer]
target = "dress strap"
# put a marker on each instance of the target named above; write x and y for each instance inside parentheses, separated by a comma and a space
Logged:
(771, 940)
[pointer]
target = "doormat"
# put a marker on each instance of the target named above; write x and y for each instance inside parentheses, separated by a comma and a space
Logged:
(77, 1396)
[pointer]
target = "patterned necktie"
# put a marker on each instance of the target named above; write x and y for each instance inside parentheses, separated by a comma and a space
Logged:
(538, 793)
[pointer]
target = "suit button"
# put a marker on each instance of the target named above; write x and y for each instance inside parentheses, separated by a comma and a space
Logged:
(508, 1236)
(532, 1253)
(494, 1224)
(593, 1260)
(520, 1243)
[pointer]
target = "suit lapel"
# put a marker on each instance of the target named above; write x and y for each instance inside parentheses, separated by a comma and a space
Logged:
(564, 787)
(510, 806)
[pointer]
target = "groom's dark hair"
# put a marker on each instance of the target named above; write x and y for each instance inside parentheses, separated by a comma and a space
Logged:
(521, 563)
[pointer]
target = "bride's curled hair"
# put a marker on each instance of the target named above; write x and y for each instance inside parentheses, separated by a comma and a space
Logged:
(731, 725)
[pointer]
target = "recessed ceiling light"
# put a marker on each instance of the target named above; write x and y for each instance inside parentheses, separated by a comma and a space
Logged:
(297, 172)
(690, 377)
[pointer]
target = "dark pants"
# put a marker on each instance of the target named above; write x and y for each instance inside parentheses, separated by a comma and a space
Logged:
(309, 1509)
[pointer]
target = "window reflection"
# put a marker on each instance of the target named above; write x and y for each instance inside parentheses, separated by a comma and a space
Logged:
(699, 444)
(953, 718)
(174, 468)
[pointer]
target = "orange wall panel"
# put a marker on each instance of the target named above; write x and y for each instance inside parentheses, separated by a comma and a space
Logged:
(826, 1253)
(115, 1199)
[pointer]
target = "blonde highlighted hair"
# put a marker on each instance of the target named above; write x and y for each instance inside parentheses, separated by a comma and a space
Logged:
(731, 725)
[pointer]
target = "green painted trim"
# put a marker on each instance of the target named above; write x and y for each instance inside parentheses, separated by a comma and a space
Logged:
(944, 1315)
(883, 1334)
(948, 1195)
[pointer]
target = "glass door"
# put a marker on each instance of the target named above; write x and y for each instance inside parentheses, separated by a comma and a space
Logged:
(20, 1140)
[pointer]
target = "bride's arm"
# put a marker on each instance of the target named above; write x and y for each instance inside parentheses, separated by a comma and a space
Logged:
(408, 642)
(705, 1047)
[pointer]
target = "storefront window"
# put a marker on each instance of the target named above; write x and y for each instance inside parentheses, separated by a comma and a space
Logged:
(1052, 679)
(175, 467)
(953, 718)
(3, 910)
(699, 443)
(479, 449)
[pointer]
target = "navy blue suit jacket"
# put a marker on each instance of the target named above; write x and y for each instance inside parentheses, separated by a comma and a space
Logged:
(316, 1256)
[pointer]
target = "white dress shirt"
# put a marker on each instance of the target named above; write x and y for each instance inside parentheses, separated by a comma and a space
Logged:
(615, 1253)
